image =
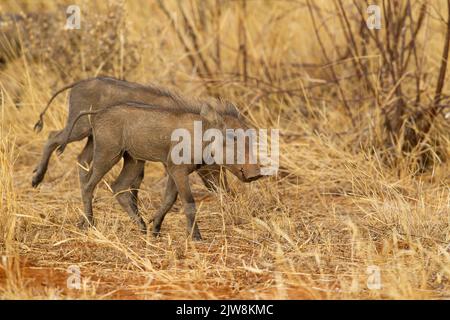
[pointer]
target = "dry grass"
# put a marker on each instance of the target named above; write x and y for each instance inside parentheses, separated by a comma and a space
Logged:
(336, 207)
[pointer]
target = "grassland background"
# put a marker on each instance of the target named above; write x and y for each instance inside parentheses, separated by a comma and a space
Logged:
(335, 208)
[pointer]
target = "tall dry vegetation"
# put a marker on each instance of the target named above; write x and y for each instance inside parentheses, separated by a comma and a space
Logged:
(364, 149)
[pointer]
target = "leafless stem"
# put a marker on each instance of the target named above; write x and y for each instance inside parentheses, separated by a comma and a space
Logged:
(444, 62)
(324, 53)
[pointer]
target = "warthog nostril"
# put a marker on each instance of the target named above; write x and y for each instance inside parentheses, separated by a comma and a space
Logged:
(253, 178)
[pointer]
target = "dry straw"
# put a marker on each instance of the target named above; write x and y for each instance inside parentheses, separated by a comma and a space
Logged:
(363, 179)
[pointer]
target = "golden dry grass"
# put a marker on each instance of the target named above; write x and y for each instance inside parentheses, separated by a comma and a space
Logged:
(335, 209)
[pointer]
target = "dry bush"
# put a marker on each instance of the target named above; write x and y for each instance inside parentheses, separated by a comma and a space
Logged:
(363, 177)
(102, 46)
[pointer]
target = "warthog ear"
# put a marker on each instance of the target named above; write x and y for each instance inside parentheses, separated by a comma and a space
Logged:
(212, 116)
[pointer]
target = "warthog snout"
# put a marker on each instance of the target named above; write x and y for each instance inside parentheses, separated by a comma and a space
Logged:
(246, 173)
(251, 173)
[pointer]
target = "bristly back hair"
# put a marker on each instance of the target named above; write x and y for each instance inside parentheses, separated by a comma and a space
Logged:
(183, 103)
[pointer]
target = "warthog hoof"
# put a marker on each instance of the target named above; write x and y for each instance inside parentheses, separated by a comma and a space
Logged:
(37, 178)
(143, 228)
(156, 232)
(196, 236)
(84, 224)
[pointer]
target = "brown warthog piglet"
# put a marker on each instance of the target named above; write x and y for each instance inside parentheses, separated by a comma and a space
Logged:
(145, 134)
(103, 92)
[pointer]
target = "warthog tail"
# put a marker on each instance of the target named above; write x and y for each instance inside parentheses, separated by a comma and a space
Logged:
(81, 114)
(40, 124)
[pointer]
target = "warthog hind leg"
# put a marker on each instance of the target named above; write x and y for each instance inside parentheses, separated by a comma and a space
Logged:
(84, 161)
(55, 140)
(131, 171)
(101, 164)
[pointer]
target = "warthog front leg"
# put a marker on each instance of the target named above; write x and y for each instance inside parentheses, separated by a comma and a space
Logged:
(211, 177)
(170, 196)
(180, 175)
(132, 169)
